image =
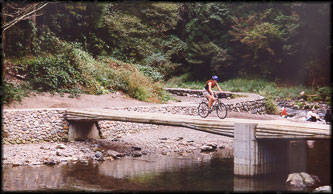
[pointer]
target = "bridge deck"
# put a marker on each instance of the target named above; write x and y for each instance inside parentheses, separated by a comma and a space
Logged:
(265, 128)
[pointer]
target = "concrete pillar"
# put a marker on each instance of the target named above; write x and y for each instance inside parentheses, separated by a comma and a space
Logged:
(246, 159)
(257, 157)
(82, 130)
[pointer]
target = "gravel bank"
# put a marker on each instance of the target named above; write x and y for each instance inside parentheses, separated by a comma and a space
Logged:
(163, 140)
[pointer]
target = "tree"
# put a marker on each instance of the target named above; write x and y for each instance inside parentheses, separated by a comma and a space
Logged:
(13, 12)
(136, 31)
(206, 34)
(268, 39)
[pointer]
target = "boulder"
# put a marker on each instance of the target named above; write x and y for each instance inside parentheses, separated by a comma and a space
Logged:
(309, 181)
(323, 189)
(213, 145)
(206, 148)
(301, 179)
(60, 146)
(114, 154)
(136, 154)
(99, 156)
(50, 161)
(179, 138)
(136, 148)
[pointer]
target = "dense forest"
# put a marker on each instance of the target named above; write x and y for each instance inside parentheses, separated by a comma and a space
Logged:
(101, 46)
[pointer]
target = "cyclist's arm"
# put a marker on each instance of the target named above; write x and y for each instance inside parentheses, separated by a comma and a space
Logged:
(218, 87)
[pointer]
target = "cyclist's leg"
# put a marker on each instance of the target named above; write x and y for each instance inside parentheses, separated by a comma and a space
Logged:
(209, 97)
(210, 101)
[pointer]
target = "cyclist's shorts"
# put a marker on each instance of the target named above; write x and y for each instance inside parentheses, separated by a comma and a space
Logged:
(205, 92)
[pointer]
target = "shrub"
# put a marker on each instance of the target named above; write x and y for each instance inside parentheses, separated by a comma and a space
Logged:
(324, 93)
(271, 107)
(161, 63)
(71, 70)
(150, 72)
(127, 78)
(12, 92)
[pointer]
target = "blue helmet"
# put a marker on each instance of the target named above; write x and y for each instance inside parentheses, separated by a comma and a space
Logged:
(214, 77)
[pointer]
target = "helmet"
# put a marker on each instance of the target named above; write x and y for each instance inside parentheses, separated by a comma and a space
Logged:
(214, 77)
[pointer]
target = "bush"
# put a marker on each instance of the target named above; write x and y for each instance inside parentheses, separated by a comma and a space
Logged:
(324, 93)
(271, 107)
(150, 72)
(71, 70)
(12, 93)
(127, 78)
(162, 64)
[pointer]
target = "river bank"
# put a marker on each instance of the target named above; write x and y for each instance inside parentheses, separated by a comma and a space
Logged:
(163, 140)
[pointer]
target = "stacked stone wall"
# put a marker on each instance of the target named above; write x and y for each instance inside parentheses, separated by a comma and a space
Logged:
(34, 125)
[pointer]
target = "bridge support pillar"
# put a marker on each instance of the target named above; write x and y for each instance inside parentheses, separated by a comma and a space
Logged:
(245, 149)
(82, 130)
(254, 157)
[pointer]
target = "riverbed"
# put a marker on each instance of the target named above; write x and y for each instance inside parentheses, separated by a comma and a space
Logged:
(170, 160)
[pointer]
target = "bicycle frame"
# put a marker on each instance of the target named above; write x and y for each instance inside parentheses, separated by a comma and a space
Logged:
(217, 105)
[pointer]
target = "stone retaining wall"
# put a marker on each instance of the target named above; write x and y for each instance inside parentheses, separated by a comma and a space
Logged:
(34, 125)
(23, 126)
(115, 129)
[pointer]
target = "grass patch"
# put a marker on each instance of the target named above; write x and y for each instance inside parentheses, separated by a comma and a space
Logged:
(258, 86)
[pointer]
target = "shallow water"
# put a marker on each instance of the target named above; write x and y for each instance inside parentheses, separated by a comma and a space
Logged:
(203, 172)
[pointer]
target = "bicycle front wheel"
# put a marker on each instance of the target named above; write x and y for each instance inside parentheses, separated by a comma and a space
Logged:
(203, 109)
(222, 111)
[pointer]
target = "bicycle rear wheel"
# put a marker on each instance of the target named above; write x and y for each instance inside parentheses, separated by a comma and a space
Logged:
(222, 110)
(203, 109)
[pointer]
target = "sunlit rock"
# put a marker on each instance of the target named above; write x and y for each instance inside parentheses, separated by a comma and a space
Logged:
(323, 189)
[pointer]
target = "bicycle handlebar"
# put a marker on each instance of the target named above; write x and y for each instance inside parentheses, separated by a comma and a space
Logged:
(220, 95)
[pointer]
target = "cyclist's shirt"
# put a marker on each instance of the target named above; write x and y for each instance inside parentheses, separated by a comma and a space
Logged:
(213, 84)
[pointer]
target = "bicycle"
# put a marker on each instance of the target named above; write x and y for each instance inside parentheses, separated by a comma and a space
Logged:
(221, 108)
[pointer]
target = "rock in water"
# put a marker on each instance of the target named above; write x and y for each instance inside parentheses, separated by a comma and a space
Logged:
(307, 179)
(323, 189)
(295, 179)
(98, 154)
(301, 179)
(206, 148)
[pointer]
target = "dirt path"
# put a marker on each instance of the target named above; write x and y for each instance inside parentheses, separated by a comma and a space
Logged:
(46, 100)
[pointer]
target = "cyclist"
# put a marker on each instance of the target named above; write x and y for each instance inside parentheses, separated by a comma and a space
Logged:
(208, 92)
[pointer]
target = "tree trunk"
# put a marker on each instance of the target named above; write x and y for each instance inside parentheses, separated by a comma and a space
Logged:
(34, 16)
(3, 33)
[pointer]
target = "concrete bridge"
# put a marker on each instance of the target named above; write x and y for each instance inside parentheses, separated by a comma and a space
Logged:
(259, 145)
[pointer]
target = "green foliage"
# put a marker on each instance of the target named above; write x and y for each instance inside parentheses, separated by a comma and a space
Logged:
(131, 79)
(324, 93)
(161, 63)
(150, 72)
(205, 33)
(266, 36)
(184, 81)
(71, 70)
(12, 92)
(270, 106)
(136, 31)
